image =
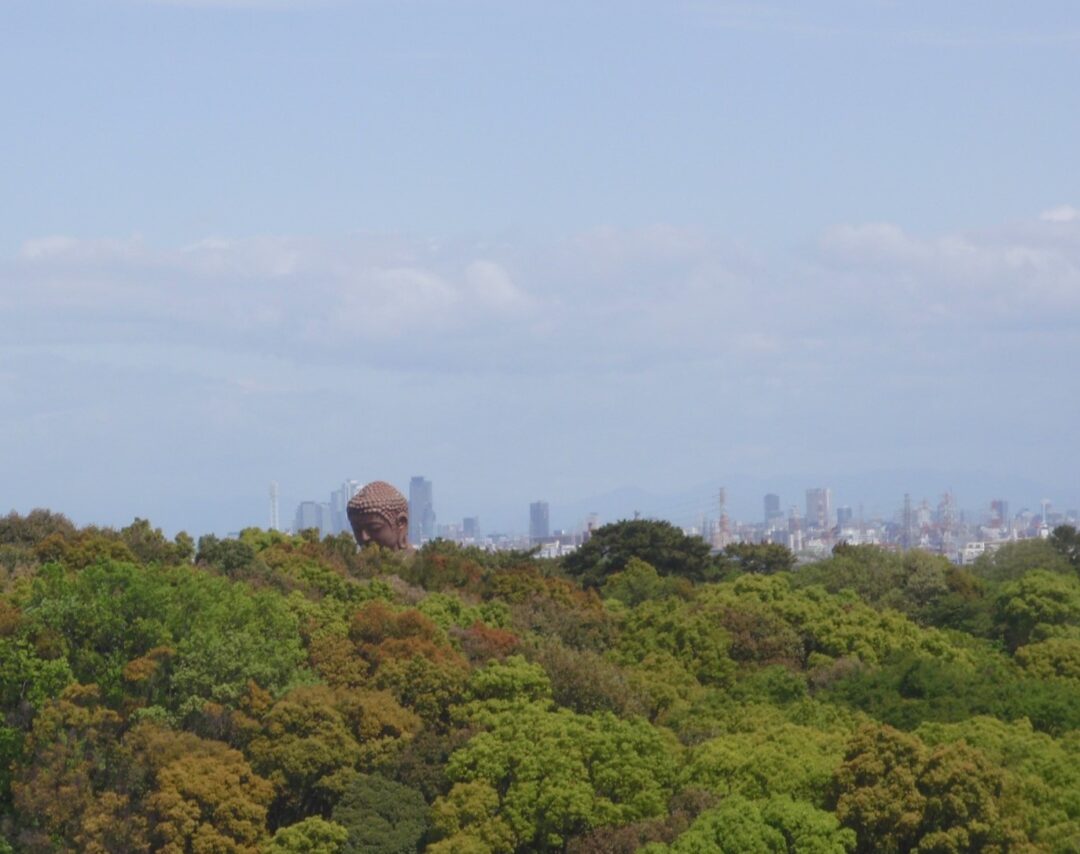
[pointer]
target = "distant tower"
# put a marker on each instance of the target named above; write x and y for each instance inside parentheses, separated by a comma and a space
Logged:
(721, 536)
(309, 514)
(539, 525)
(275, 519)
(795, 533)
(772, 509)
(907, 535)
(818, 508)
(421, 511)
(947, 512)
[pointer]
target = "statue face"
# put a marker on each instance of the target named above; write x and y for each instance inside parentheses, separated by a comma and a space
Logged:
(373, 528)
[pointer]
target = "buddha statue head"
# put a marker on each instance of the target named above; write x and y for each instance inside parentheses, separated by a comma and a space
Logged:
(378, 513)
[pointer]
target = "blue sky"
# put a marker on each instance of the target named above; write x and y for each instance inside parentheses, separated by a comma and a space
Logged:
(533, 250)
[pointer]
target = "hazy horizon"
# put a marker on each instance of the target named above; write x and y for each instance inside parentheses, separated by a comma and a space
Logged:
(535, 252)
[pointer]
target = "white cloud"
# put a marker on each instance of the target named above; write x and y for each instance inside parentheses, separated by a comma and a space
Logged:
(491, 287)
(606, 300)
(1062, 213)
(58, 248)
(277, 293)
(1016, 274)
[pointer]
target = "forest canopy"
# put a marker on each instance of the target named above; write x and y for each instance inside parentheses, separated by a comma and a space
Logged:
(277, 693)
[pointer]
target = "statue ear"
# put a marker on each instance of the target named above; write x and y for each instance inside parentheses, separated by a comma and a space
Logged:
(403, 529)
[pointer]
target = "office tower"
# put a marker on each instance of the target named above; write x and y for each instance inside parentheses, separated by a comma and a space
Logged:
(539, 527)
(907, 525)
(470, 527)
(339, 501)
(795, 533)
(309, 514)
(999, 513)
(421, 511)
(844, 517)
(772, 509)
(818, 511)
(338, 517)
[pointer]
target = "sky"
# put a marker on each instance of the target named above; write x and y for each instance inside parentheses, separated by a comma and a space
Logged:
(535, 250)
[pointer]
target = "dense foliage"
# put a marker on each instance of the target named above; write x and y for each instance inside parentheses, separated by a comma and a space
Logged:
(278, 693)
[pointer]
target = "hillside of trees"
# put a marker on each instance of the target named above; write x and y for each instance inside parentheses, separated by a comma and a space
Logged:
(279, 693)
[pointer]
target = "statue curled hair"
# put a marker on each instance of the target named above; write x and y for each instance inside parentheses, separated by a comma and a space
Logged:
(378, 513)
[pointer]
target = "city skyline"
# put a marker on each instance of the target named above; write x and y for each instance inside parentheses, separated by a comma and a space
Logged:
(708, 516)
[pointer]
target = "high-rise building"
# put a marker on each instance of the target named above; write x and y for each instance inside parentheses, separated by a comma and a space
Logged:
(539, 526)
(999, 513)
(772, 509)
(818, 511)
(421, 511)
(470, 527)
(339, 505)
(844, 517)
(309, 514)
(795, 533)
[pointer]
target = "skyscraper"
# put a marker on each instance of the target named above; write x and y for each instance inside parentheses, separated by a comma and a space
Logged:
(818, 510)
(421, 511)
(339, 503)
(539, 527)
(309, 514)
(772, 509)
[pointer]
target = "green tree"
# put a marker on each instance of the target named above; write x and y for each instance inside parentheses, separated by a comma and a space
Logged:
(469, 819)
(1066, 539)
(35, 526)
(313, 835)
(557, 773)
(764, 558)
(1043, 773)
(1037, 606)
(772, 760)
(72, 792)
(640, 581)
(611, 547)
(305, 748)
(774, 826)
(1014, 560)
(587, 681)
(1055, 657)
(205, 796)
(683, 632)
(231, 557)
(381, 817)
(150, 545)
(508, 684)
(899, 795)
